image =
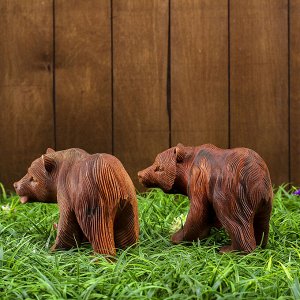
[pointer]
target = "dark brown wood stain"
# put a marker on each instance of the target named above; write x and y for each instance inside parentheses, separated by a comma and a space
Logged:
(259, 81)
(134, 77)
(26, 57)
(140, 81)
(295, 90)
(199, 72)
(83, 75)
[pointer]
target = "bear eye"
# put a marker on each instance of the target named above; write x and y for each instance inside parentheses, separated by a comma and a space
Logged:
(158, 169)
(32, 179)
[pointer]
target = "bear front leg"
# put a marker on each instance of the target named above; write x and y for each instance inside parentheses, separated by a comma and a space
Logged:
(197, 225)
(69, 234)
(97, 225)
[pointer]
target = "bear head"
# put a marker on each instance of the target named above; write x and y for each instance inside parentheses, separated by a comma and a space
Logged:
(39, 182)
(162, 173)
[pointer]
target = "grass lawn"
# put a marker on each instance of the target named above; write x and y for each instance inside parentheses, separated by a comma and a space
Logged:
(154, 269)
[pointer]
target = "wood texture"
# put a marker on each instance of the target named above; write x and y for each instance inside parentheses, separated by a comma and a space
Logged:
(214, 179)
(110, 91)
(140, 36)
(295, 90)
(199, 72)
(96, 198)
(259, 81)
(26, 115)
(83, 75)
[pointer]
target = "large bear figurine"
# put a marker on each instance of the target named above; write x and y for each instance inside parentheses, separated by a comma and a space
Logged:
(95, 195)
(229, 185)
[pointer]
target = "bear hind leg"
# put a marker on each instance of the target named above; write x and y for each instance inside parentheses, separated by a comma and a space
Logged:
(261, 225)
(98, 228)
(126, 228)
(241, 235)
(237, 224)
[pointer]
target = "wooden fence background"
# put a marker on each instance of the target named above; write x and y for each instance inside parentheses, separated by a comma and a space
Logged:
(133, 77)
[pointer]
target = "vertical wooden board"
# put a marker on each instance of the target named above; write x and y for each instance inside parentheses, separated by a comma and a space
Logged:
(199, 72)
(83, 75)
(26, 110)
(140, 42)
(295, 90)
(259, 81)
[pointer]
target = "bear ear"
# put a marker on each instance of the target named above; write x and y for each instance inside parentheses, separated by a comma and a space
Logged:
(49, 162)
(179, 152)
(49, 150)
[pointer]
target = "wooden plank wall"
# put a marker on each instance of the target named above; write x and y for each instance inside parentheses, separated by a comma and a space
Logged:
(294, 64)
(26, 85)
(199, 72)
(83, 75)
(134, 77)
(259, 81)
(140, 49)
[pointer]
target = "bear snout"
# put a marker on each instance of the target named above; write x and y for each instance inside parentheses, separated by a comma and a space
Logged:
(145, 177)
(17, 185)
(141, 176)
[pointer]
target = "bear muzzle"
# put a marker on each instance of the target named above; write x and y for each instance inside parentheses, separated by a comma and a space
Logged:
(144, 177)
(140, 176)
(17, 186)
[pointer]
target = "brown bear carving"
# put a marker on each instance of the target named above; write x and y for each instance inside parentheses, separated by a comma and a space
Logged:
(96, 198)
(231, 186)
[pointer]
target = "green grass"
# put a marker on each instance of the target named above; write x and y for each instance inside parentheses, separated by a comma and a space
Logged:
(154, 269)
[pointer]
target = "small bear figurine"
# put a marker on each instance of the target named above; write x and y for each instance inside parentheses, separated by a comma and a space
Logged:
(229, 185)
(95, 195)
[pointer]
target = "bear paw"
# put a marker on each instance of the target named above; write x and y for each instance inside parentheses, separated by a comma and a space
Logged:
(177, 237)
(226, 249)
(53, 248)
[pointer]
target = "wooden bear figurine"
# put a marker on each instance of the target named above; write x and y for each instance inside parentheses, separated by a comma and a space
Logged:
(232, 186)
(95, 195)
